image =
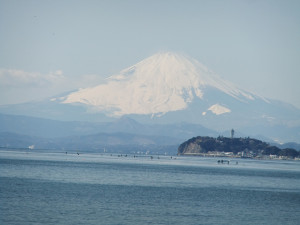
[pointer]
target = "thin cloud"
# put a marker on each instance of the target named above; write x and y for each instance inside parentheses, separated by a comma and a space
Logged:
(18, 86)
(20, 78)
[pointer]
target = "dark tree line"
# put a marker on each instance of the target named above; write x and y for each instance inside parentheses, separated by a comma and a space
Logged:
(235, 145)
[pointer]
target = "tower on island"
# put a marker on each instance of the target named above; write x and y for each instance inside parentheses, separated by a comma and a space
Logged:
(232, 133)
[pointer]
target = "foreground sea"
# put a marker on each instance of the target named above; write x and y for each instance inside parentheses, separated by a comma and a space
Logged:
(59, 188)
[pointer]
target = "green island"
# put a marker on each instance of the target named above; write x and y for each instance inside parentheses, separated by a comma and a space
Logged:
(235, 148)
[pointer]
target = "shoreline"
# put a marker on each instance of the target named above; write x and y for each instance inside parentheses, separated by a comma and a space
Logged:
(222, 155)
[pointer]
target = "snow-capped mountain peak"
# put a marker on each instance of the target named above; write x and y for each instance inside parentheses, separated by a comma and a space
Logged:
(159, 84)
(169, 88)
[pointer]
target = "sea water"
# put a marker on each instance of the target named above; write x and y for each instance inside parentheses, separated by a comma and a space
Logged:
(60, 188)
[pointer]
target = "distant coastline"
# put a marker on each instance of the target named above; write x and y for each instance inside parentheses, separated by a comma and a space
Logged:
(235, 148)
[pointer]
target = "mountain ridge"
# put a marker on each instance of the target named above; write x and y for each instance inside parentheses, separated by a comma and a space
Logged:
(158, 84)
(48, 128)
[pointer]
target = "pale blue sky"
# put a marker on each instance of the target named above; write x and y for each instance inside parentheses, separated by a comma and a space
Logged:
(49, 46)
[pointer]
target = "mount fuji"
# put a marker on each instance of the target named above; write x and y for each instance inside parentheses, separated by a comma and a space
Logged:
(169, 88)
(163, 83)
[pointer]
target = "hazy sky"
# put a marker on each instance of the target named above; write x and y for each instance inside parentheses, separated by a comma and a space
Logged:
(47, 47)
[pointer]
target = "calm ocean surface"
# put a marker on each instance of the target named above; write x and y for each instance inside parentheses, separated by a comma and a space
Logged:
(56, 188)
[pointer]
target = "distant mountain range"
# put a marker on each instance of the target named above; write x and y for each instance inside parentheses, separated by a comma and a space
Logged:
(124, 134)
(162, 95)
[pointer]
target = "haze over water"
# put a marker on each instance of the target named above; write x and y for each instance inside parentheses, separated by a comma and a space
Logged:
(57, 188)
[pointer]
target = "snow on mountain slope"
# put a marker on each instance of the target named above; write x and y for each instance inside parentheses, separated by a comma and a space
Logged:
(218, 109)
(159, 84)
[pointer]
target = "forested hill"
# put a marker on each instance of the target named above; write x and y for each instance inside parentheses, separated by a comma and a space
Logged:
(199, 145)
